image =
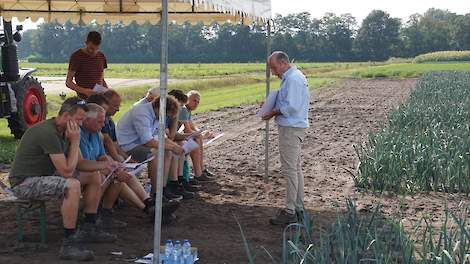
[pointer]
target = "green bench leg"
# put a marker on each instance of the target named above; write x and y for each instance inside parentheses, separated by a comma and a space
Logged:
(22, 211)
(42, 221)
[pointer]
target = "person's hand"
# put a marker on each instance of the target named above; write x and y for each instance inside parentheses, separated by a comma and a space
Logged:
(269, 115)
(122, 175)
(112, 165)
(207, 134)
(178, 150)
(72, 132)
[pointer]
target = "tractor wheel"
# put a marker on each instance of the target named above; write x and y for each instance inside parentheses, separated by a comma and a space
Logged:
(31, 104)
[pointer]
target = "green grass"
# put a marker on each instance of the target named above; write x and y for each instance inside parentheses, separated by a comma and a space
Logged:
(401, 70)
(188, 71)
(425, 143)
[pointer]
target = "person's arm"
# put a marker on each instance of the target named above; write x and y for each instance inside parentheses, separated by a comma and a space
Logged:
(111, 148)
(169, 145)
(65, 166)
(69, 82)
(105, 66)
(173, 127)
(291, 100)
(120, 151)
(93, 165)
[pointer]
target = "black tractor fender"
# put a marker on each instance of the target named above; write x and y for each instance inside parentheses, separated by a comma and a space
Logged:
(25, 73)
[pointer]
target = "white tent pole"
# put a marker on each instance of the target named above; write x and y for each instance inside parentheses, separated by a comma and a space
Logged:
(268, 86)
(161, 131)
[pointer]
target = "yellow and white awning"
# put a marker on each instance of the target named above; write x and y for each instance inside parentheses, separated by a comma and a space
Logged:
(141, 11)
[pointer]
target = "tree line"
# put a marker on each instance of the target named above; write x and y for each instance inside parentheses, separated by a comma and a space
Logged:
(330, 38)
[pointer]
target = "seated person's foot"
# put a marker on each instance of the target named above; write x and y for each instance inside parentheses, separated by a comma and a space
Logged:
(283, 218)
(189, 187)
(150, 207)
(208, 173)
(108, 222)
(178, 189)
(170, 195)
(89, 232)
(195, 183)
(203, 178)
(72, 249)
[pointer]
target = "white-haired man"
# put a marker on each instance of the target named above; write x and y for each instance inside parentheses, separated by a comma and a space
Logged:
(291, 116)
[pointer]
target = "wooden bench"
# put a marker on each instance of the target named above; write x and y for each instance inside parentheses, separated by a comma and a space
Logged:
(25, 208)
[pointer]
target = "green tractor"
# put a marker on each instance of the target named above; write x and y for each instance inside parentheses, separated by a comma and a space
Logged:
(22, 98)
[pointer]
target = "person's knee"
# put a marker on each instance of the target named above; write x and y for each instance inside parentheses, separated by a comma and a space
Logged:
(73, 185)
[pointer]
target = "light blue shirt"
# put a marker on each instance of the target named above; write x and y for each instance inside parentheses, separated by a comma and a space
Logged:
(137, 127)
(91, 145)
(293, 100)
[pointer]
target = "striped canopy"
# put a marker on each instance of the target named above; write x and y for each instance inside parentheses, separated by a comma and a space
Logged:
(141, 11)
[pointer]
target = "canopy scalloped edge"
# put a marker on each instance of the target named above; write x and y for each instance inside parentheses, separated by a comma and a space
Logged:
(140, 11)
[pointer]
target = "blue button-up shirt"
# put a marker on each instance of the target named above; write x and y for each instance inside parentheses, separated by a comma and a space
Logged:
(137, 127)
(293, 100)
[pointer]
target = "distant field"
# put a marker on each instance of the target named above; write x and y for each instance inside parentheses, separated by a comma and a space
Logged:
(402, 70)
(187, 71)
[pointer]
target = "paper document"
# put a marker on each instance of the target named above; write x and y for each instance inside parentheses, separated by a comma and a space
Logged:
(269, 104)
(209, 141)
(189, 146)
(135, 165)
(181, 129)
(99, 89)
(123, 164)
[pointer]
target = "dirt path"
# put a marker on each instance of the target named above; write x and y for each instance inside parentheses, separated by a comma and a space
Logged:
(340, 117)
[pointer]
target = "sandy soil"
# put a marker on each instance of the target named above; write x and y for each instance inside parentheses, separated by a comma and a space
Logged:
(341, 116)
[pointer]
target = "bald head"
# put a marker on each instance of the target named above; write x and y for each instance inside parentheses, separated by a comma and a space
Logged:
(279, 63)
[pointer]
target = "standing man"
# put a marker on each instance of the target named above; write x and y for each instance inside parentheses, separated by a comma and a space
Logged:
(86, 67)
(291, 116)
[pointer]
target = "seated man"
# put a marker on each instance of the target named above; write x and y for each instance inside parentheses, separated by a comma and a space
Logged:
(176, 170)
(44, 168)
(137, 134)
(201, 174)
(132, 191)
(151, 95)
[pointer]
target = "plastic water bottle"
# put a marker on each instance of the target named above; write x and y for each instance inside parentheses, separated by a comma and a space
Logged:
(168, 252)
(177, 256)
(187, 256)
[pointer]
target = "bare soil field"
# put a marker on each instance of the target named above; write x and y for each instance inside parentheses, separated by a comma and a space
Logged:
(341, 116)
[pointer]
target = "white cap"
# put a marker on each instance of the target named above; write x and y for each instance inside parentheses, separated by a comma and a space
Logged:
(154, 91)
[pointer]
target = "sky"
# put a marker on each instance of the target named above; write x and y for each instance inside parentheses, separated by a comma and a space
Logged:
(361, 8)
(358, 8)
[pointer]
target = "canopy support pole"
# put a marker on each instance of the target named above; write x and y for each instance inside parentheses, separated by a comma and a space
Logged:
(161, 131)
(268, 86)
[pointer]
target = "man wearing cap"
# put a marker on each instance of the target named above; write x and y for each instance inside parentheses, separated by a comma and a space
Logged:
(86, 67)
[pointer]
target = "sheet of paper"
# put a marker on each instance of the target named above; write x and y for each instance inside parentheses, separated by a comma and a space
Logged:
(99, 89)
(138, 170)
(181, 129)
(123, 164)
(210, 141)
(269, 104)
(189, 146)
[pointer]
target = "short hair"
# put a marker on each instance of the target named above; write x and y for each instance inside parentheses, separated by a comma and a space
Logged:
(280, 56)
(172, 105)
(193, 93)
(98, 99)
(94, 110)
(179, 95)
(94, 37)
(110, 94)
(154, 91)
(72, 104)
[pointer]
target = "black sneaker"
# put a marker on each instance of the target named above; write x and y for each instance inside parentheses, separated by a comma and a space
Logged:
(170, 195)
(203, 178)
(72, 249)
(283, 218)
(90, 233)
(208, 173)
(180, 190)
(190, 188)
(195, 183)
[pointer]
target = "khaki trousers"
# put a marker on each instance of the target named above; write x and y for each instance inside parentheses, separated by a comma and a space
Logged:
(290, 140)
